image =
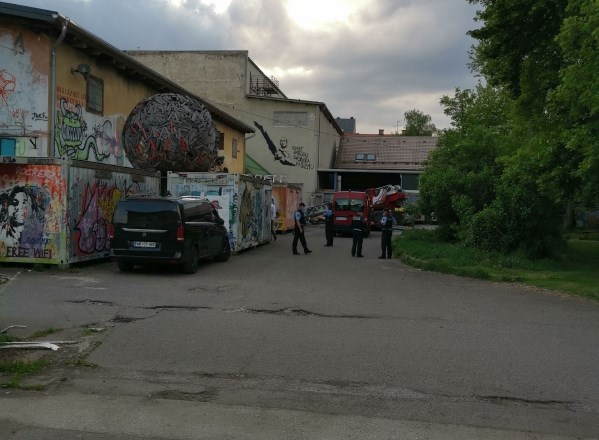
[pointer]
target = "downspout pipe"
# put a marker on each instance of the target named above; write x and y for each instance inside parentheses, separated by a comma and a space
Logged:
(52, 112)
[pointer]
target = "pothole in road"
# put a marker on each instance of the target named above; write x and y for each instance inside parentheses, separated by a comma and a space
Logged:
(202, 396)
(119, 319)
(94, 302)
(299, 312)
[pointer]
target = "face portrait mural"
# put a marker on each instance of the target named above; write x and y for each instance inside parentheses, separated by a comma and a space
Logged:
(22, 213)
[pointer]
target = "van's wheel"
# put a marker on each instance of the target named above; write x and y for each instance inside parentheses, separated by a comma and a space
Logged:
(225, 252)
(125, 266)
(192, 265)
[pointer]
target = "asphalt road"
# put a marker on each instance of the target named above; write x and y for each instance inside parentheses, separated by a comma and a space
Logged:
(272, 345)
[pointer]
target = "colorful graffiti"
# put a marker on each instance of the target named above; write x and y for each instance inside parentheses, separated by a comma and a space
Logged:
(248, 202)
(97, 205)
(171, 132)
(71, 139)
(30, 211)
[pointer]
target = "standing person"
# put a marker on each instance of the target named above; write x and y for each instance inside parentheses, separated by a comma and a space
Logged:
(387, 223)
(298, 230)
(358, 226)
(273, 220)
(329, 228)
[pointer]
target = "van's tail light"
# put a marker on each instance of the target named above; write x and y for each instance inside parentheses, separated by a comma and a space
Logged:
(180, 232)
(111, 231)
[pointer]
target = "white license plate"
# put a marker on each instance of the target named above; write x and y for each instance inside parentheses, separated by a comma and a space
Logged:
(144, 244)
(341, 218)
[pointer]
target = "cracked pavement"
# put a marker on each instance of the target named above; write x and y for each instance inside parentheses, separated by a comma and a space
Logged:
(270, 345)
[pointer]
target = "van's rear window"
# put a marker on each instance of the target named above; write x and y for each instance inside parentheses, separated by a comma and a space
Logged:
(146, 215)
(355, 205)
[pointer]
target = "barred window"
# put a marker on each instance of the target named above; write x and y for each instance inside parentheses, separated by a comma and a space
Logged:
(95, 95)
(290, 119)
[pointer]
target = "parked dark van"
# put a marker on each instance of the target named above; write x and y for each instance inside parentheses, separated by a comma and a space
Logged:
(149, 230)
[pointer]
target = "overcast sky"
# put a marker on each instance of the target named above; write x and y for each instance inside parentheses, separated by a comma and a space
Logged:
(370, 59)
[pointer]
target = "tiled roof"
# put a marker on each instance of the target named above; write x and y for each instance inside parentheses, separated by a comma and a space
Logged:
(390, 152)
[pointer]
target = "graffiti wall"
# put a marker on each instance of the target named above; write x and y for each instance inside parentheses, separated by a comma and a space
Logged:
(93, 195)
(23, 93)
(24, 112)
(86, 136)
(287, 200)
(242, 201)
(32, 213)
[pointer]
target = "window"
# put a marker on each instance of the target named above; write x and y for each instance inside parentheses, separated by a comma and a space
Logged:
(359, 156)
(221, 140)
(370, 157)
(234, 149)
(290, 119)
(95, 95)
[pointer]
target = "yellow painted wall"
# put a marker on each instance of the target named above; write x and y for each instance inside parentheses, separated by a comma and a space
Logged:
(233, 165)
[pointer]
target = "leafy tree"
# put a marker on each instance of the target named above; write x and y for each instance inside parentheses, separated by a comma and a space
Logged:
(418, 124)
(517, 49)
(575, 99)
(462, 172)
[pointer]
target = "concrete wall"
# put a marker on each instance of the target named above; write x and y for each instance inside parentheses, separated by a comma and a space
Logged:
(296, 152)
(222, 77)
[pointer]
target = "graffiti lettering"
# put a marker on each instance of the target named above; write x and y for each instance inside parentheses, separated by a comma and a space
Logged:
(43, 253)
(39, 116)
(19, 113)
(301, 158)
(98, 203)
(19, 252)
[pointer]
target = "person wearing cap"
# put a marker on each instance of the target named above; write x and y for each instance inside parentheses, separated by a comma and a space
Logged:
(387, 222)
(298, 230)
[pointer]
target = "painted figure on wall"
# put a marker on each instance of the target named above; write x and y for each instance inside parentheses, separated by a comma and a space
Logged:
(22, 208)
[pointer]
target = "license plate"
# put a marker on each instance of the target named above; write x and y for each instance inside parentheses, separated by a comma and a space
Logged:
(341, 218)
(144, 244)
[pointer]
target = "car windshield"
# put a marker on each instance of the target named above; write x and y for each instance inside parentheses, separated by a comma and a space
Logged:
(146, 214)
(347, 204)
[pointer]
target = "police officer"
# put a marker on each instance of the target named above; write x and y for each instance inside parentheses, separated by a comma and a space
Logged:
(329, 228)
(387, 223)
(358, 225)
(298, 230)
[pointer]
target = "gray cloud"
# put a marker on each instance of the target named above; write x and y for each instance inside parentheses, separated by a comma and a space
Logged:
(392, 56)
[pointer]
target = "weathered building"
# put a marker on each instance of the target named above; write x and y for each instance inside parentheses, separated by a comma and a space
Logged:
(373, 160)
(65, 95)
(294, 138)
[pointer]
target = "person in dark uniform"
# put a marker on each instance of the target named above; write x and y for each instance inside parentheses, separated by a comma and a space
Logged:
(387, 223)
(358, 226)
(329, 228)
(298, 230)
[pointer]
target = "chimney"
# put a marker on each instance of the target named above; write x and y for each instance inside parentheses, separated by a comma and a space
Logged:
(381, 131)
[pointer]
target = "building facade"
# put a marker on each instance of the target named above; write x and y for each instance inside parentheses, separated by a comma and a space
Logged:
(294, 138)
(65, 95)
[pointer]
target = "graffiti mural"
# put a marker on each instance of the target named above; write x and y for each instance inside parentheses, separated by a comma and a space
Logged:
(23, 82)
(94, 201)
(293, 157)
(31, 211)
(171, 132)
(77, 139)
(245, 202)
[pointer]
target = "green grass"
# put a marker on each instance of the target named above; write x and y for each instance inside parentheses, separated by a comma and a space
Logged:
(44, 333)
(576, 272)
(16, 369)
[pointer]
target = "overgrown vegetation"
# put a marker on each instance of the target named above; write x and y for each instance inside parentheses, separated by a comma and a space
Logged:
(14, 370)
(574, 271)
(523, 149)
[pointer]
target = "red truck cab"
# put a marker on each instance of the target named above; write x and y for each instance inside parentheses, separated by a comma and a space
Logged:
(345, 205)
